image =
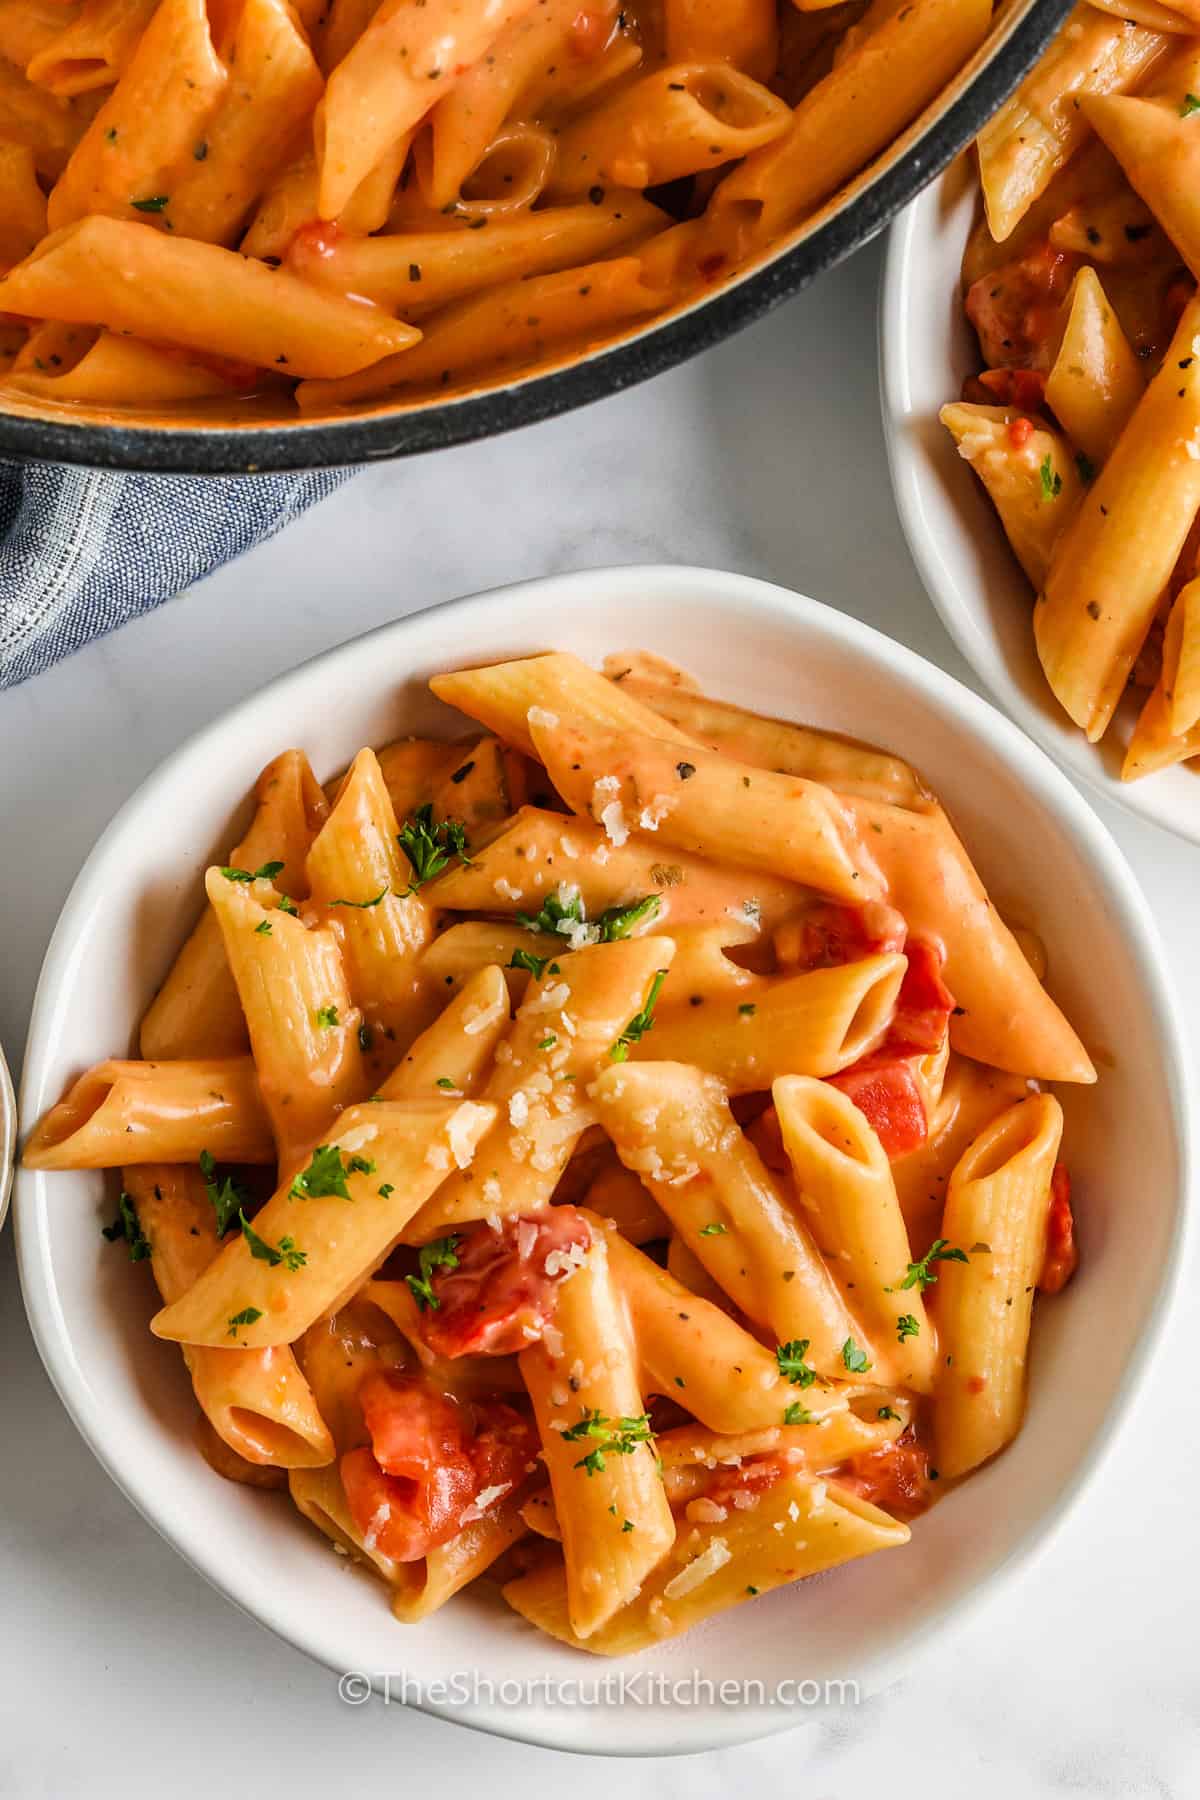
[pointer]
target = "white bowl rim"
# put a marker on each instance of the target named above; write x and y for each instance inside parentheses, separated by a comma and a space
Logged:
(714, 1727)
(1156, 797)
(8, 1135)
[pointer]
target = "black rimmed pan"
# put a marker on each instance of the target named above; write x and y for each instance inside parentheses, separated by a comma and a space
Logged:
(1017, 39)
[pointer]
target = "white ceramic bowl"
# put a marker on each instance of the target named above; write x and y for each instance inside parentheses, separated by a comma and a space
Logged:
(1033, 837)
(926, 348)
(8, 1135)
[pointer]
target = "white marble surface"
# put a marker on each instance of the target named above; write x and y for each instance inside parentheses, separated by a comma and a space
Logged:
(121, 1673)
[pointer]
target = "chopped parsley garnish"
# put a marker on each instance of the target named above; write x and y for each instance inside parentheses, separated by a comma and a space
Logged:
(618, 921)
(1191, 104)
(525, 959)
(612, 1437)
(326, 1017)
(156, 203)
(287, 905)
(128, 1226)
(923, 1273)
(386, 1191)
(906, 1327)
(444, 1081)
(442, 1253)
(362, 905)
(1050, 478)
(247, 1316)
(747, 1009)
(326, 1174)
(268, 872)
(429, 847)
(790, 1358)
(713, 1229)
(263, 929)
(889, 1412)
(553, 913)
(752, 1590)
(287, 1253)
(641, 1022)
(548, 1042)
(628, 1525)
(855, 1360)
(225, 1197)
(796, 1414)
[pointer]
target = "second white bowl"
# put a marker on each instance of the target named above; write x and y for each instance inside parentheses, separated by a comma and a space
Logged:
(926, 349)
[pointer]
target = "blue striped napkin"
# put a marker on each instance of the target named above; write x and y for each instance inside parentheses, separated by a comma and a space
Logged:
(82, 550)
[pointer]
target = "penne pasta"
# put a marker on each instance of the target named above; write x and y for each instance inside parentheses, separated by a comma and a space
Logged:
(1029, 474)
(101, 271)
(414, 271)
(1036, 132)
(843, 1185)
(1116, 555)
(1096, 380)
(782, 825)
(596, 1489)
(257, 1401)
(816, 1023)
(572, 1016)
(673, 122)
(672, 1126)
(304, 1028)
(252, 1300)
(543, 852)
(197, 1012)
(92, 50)
(122, 1113)
(997, 1205)
(840, 763)
(388, 81)
(689, 1346)
(848, 117)
(800, 1527)
(728, 1231)
(360, 880)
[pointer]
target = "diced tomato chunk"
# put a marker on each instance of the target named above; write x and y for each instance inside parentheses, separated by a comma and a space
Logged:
(895, 1477)
(1015, 309)
(827, 935)
(1023, 388)
(430, 1459)
(503, 1292)
(318, 238)
(1062, 1254)
(886, 1090)
(885, 1084)
(1019, 432)
(924, 1004)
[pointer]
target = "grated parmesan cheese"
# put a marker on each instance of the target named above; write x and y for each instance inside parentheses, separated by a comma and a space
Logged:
(562, 1262)
(506, 890)
(612, 817)
(699, 1570)
(463, 1131)
(537, 715)
(518, 1109)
